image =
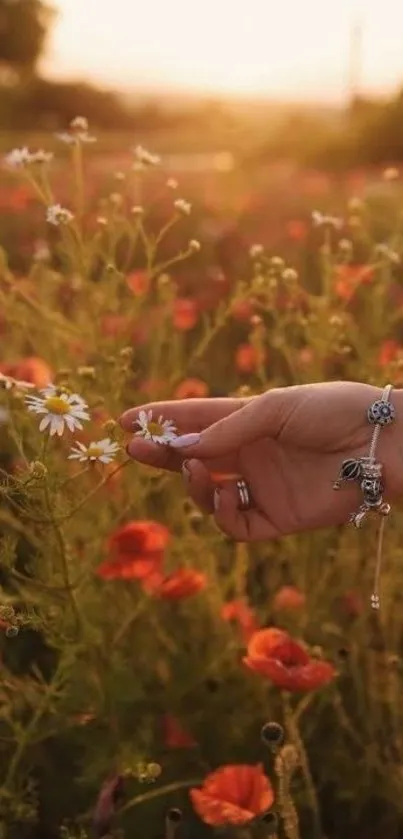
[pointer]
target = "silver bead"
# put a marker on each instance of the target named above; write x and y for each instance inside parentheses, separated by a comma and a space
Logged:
(381, 413)
(372, 491)
(357, 518)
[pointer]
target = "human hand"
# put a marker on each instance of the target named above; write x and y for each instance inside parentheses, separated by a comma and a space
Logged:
(287, 444)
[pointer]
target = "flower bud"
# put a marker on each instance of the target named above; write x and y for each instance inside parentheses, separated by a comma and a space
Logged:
(345, 246)
(7, 612)
(290, 275)
(174, 814)
(255, 251)
(272, 734)
(194, 245)
(277, 263)
(355, 205)
(38, 470)
(127, 353)
(87, 372)
(182, 206)
(79, 124)
(110, 427)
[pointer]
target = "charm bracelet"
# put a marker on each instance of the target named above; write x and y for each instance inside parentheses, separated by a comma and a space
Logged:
(367, 472)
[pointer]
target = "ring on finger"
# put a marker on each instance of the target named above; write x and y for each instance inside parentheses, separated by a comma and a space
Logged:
(245, 499)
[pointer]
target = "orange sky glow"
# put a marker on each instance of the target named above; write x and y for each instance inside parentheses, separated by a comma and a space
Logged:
(291, 49)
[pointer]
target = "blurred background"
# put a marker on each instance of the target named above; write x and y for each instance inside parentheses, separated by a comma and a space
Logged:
(316, 82)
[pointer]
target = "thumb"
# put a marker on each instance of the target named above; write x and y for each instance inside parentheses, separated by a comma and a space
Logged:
(262, 416)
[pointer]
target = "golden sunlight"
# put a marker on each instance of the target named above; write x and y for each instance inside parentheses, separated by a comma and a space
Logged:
(286, 49)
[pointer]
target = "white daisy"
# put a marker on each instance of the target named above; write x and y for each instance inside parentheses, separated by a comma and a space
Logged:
(182, 206)
(17, 157)
(161, 431)
(60, 409)
(56, 214)
(78, 134)
(103, 450)
(320, 220)
(23, 157)
(145, 157)
(8, 383)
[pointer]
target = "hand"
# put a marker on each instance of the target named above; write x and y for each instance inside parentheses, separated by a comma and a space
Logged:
(288, 444)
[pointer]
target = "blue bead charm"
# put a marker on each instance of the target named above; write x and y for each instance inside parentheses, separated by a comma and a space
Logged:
(381, 413)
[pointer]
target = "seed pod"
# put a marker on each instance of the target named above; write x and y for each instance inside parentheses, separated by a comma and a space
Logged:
(272, 734)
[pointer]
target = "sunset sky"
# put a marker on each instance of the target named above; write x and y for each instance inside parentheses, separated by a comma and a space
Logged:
(296, 49)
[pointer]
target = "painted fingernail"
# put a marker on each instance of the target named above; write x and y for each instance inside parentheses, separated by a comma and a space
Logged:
(217, 499)
(185, 440)
(187, 475)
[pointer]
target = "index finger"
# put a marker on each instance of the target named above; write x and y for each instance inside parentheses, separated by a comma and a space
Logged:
(186, 414)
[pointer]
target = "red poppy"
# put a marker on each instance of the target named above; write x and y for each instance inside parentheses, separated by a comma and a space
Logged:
(185, 314)
(175, 737)
(248, 358)
(234, 794)
(138, 282)
(191, 389)
(389, 352)
(297, 230)
(242, 310)
(289, 598)
(349, 278)
(237, 611)
(305, 357)
(31, 369)
(152, 386)
(183, 583)
(136, 551)
(286, 662)
(352, 604)
(115, 326)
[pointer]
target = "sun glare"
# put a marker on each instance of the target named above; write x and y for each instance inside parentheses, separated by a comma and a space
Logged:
(226, 46)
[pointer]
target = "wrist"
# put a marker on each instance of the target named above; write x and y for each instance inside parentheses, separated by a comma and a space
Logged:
(390, 450)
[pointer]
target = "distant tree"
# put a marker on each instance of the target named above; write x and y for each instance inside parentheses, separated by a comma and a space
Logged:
(24, 25)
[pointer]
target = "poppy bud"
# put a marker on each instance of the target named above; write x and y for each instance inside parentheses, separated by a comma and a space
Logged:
(174, 815)
(272, 734)
(343, 653)
(195, 519)
(269, 821)
(172, 821)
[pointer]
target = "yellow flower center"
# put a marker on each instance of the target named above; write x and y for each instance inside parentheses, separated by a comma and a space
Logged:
(57, 405)
(155, 428)
(94, 451)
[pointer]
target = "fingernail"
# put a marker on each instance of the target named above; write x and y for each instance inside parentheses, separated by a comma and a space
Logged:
(187, 475)
(216, 499)
(185, 440)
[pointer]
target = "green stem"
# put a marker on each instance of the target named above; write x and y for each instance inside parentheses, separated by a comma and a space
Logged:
(27, 734)
(158, 793)
(296, 740)
(63, 556)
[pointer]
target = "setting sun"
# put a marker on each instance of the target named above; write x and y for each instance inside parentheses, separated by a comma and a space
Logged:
(293, 50)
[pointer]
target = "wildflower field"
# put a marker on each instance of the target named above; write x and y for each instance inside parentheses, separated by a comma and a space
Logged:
(158, 679)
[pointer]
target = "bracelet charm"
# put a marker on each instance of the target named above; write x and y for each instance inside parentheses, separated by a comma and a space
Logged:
(367, 472)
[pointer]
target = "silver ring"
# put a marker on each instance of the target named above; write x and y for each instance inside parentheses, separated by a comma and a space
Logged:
(245, 500)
